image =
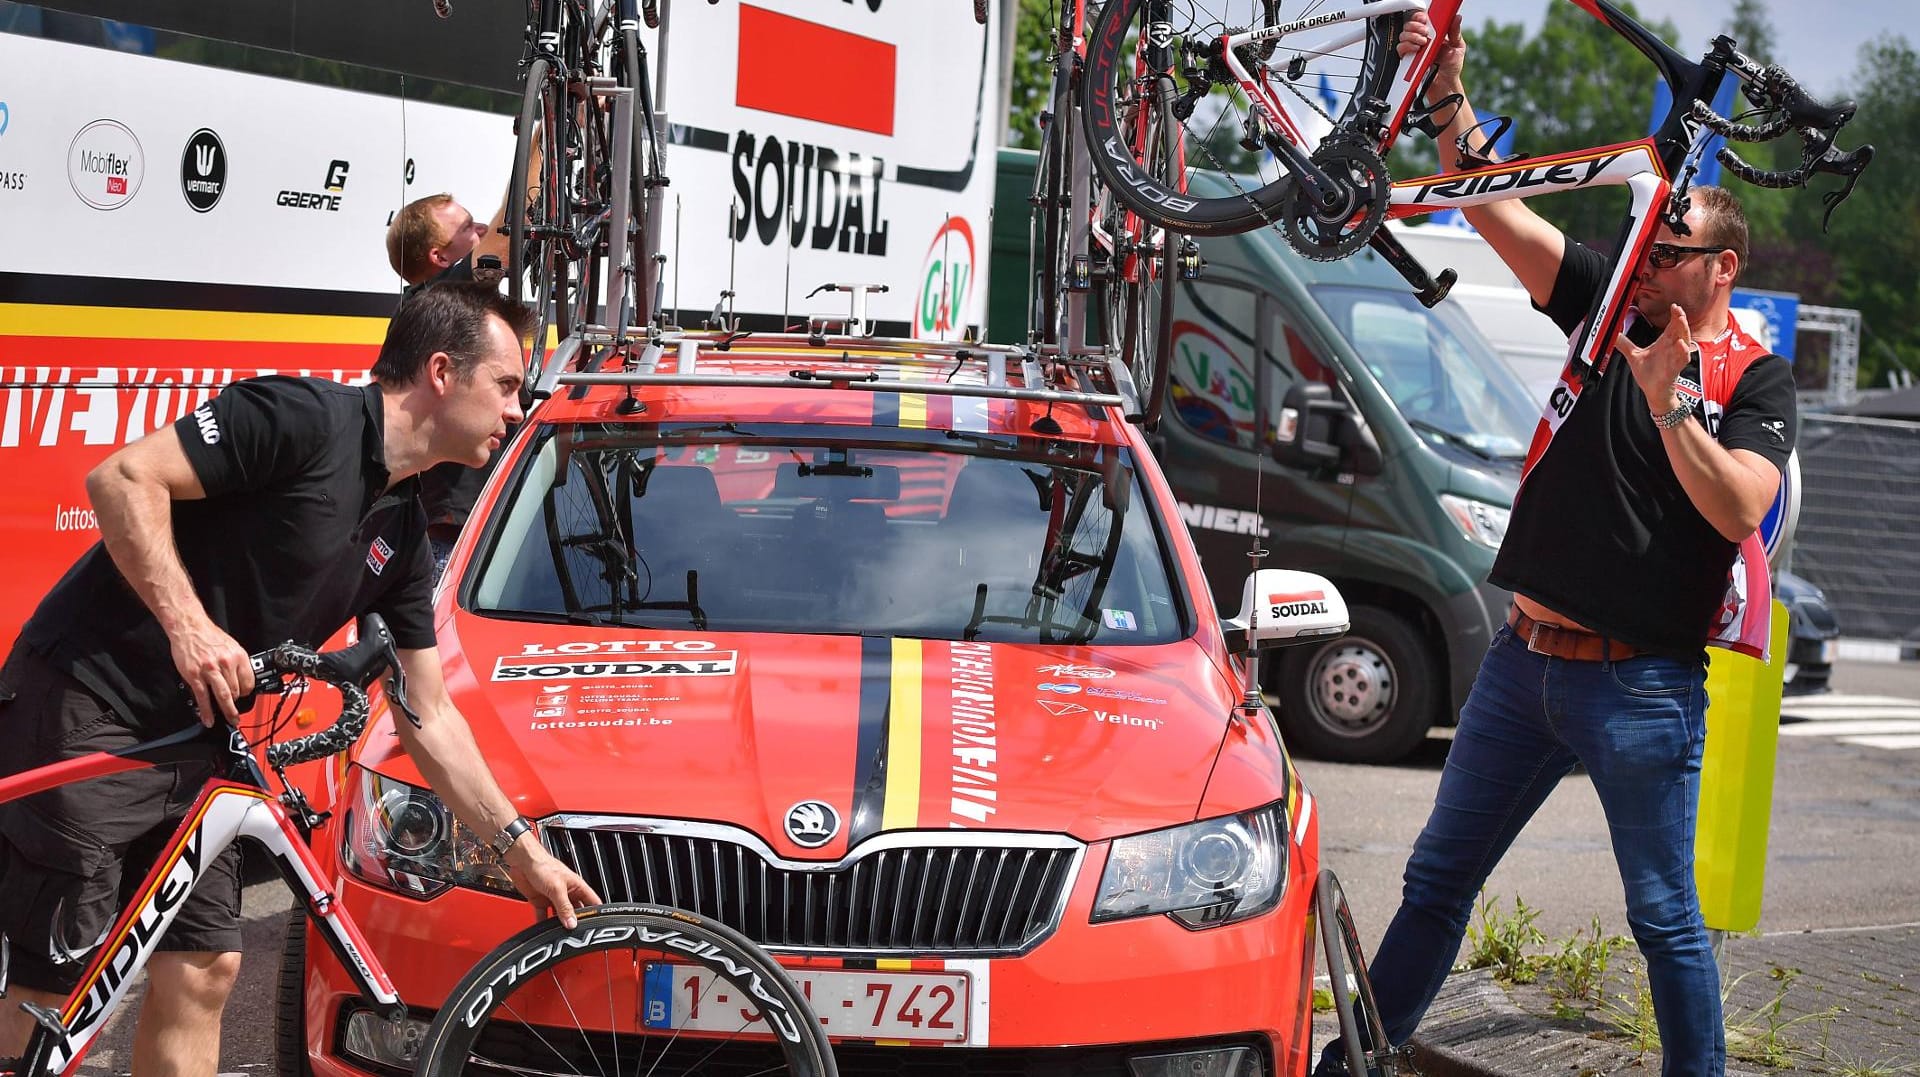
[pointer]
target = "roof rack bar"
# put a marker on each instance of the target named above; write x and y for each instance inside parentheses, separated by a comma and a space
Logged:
(823, 381)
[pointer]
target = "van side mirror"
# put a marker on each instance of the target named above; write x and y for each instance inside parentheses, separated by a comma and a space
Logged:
(1318, 430)
(1280, 607)
(1304, 435)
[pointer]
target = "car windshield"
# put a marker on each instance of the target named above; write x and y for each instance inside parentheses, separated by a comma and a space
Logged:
(817, 530)
(1444, 377)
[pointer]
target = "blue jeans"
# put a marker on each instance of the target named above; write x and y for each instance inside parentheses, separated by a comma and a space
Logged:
(1637, 726)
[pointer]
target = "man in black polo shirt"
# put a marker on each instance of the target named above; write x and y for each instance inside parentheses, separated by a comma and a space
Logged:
(279, 510)
(1618, 553)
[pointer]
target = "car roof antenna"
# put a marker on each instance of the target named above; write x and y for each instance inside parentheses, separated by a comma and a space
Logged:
(1047, 424)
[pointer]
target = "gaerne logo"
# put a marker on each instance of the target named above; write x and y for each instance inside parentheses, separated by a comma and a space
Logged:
(105, 164)
(812, 823)
(203, 170)
(327, 199)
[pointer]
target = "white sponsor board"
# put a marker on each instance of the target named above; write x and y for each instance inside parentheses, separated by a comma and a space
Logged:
(308, 175)
(811, 143)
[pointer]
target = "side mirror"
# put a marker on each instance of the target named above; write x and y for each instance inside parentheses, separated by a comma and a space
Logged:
(1280, 607)
(1304, 436)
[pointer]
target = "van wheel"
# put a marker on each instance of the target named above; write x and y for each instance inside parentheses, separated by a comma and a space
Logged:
(1366, 697)
(290, 1002)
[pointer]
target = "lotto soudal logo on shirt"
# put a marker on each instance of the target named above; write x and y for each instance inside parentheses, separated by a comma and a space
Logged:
(105, 164)
(378, 555)
(605, 659)
(203, 170)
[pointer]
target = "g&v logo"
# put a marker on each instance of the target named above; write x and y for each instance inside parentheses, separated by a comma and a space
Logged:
(105, 164)
(946, 280)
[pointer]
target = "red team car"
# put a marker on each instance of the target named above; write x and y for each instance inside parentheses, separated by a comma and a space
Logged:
(895, 657)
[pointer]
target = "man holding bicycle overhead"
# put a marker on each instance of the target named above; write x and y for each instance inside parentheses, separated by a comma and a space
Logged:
(1643, 483)
(279, 510)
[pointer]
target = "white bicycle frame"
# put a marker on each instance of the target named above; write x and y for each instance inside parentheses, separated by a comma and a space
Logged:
(224, 812)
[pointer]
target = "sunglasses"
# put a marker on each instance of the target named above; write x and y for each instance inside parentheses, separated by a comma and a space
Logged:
(1668, 255)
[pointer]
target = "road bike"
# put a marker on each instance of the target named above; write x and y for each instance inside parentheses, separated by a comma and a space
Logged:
(1083, 243)
(540, 998)
(1325, 108)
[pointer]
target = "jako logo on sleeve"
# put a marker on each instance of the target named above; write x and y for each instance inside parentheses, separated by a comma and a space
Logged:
(209, 429)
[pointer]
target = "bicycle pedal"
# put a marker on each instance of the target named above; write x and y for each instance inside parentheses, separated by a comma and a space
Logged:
(1432, 295)
(1080, 276)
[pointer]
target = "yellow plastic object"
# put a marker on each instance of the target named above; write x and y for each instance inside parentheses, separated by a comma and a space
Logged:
(1736, 780)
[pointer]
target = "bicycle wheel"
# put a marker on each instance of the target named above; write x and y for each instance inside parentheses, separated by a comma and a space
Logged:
(1328, 84)
(646, 160)
(1362, 1038)
(632, 989)
(1138, 293)
(1047, 257)
(530, 202)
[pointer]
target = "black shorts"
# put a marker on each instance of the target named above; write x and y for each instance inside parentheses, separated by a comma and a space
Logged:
(71, 857)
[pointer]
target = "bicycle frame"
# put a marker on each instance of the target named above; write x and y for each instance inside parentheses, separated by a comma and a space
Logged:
(1647, 167)
(224, 812)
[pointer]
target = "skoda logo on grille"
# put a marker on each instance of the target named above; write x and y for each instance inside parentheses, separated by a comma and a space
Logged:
(812, 823)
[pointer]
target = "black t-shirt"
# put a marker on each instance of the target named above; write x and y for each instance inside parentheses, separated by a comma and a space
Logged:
(1602, 530)
(297, 535)
(458, 271)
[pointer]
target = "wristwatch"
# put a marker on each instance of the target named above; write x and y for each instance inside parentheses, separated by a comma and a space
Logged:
(509, 834)
(1679, 413)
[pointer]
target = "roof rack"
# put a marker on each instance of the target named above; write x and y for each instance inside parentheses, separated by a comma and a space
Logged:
(836, 362)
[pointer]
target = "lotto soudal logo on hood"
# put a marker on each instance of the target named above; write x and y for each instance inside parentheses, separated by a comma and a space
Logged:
(105, 164)
(615, 659)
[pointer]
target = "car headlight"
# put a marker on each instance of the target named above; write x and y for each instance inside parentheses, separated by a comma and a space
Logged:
(1203, 874)
(402, 837)
(1480, 521)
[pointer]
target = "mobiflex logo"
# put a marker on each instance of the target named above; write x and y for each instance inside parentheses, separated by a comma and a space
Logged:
(105, 164)
(945, 280)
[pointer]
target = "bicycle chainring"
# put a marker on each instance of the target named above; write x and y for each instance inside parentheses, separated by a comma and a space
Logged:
(1328, 235)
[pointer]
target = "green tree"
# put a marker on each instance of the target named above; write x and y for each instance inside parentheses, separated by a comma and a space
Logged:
(1875, 237)
(1572, 85)
(1032, 61)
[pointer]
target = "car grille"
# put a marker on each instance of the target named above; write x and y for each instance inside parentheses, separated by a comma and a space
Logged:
(936, 898)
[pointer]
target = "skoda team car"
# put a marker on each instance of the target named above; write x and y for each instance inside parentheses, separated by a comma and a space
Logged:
(895, 657)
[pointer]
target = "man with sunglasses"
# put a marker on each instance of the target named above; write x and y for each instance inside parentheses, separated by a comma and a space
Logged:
(1646, 479)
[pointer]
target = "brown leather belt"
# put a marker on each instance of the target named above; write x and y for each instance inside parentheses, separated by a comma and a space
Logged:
(1559, 641)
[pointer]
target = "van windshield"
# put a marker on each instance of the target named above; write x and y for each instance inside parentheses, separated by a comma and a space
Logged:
(772, 528)
(1444, 377)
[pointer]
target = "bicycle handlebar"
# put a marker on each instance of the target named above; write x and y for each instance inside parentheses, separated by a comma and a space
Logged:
(1770, 88)
(349, 670)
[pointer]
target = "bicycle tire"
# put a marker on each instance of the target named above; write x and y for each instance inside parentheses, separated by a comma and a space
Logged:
(1048, 260)
(1149, 291)
(531, 126)
(640, 190)
(523, 977)
(1361, 1041)
(1110, 56)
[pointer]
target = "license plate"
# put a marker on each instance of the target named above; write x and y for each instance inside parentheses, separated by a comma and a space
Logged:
(856, 1003)
(1828, 649)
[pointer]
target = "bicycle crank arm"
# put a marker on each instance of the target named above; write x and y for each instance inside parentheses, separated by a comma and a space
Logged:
(1429, 290)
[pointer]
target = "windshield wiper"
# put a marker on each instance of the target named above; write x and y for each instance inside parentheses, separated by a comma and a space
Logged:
(1452, 438)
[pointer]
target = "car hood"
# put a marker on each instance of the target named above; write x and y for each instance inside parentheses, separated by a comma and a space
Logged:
(888, 734)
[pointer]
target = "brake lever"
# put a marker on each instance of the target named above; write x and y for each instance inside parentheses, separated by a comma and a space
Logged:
(397, 687)
(1851, 165)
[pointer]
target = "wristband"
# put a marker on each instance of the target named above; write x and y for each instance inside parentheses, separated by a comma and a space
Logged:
(503, 841)
(1678, 415)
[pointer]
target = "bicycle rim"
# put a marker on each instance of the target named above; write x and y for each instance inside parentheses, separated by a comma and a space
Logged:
(1150, 283)
(1321, 86)
(645, 153)
(634, 989)
(534, 116)
(1362, 1039)
(1047, 257)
